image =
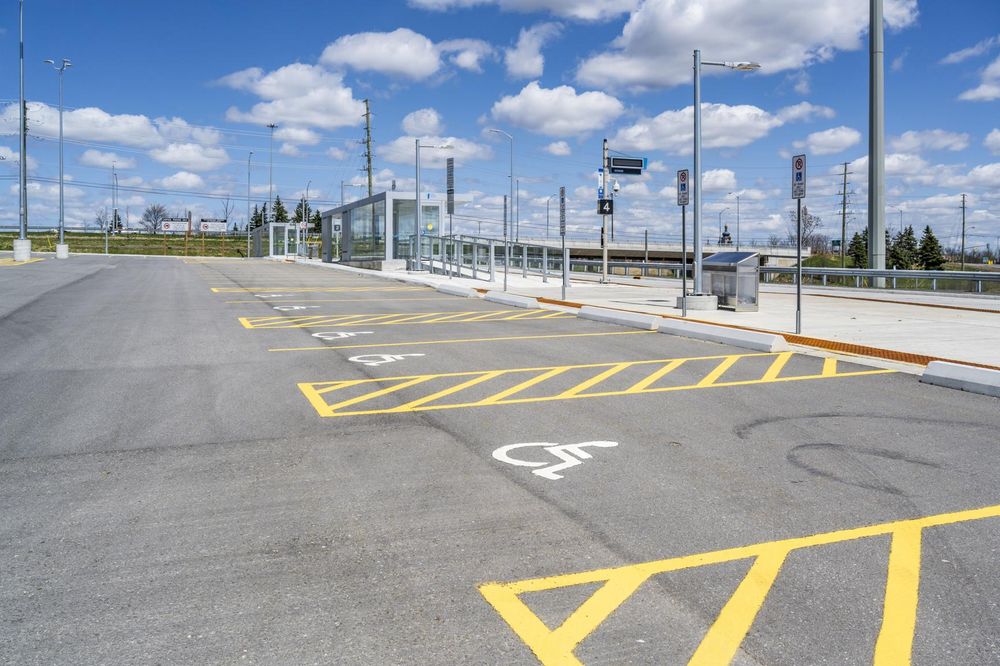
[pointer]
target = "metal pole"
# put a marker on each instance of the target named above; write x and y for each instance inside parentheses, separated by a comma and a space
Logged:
(843, 221)
(645, 245)
(270, 170)
(517, 212)
(305, 216)
(62, 209)
(604, 218)
(416, 201)
(697, 172)
(737, 223)
(798, 268)
(876, 142)
(23, 170)
(506, 247)
(248, 203)
(547, 218)
(963, 233)
(684, 263)
(565, 267)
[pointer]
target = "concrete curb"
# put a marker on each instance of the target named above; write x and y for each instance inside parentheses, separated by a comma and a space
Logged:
(455, 290)
(631, 319)
(962, 377)
(765, 342)
(510, 299)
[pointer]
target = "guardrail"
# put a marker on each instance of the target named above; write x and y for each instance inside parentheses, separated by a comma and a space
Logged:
(481, 258)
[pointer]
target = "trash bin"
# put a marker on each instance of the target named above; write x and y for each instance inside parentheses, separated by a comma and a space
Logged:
(734, 278)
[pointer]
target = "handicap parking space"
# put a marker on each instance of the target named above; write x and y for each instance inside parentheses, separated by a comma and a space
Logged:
(523, 486)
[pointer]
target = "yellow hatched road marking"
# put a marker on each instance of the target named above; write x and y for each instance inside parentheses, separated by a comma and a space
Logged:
(313, 321)
(314, 390)
(341, 300)
(8, 262)
(723, 639)
(460, 340)
(829, 367)
(778, 365)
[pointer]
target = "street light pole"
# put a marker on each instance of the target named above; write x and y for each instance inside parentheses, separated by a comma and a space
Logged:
(547, 216)
(248, 203)
(304, 223)
(742, 66)
(270, 169)
(22, 248)
(506, 249)
(61, 249)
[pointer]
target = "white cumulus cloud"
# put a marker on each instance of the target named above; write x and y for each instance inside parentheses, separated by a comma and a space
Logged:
(183, 180)
(403, 151)
(935, 139)
(467, 54)
(190, 156)
(557, 111)
(97, 158)
(559, 149)
(831, 141)
(581, 10)
(655, 47)
(423, 122)
(992, 141)
(525, 59)
(989, 88)
(401, 52)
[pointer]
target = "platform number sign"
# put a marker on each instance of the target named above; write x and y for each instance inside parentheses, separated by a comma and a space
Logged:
(683, 189)
(562, 211)
(799, 177)
(605, 207)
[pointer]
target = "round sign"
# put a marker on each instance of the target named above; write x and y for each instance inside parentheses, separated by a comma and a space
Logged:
(799, 163)
(430, 227)
(683, 176)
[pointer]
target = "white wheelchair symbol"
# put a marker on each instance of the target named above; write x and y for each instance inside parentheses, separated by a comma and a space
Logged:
(379, 359)
(571, 455)
(337, 335)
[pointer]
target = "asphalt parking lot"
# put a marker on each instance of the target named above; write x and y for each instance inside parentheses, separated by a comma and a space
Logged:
(220, 461)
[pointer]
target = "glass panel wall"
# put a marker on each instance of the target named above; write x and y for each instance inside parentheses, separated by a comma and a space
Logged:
(378, 228)
(405, 218)
(431, 219)
(362, 233)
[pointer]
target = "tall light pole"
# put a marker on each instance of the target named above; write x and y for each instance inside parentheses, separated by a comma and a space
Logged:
(22, 247)
(742, 66)
(270, 169)
(248, 203)
(547, 216)
(61, 249)
(416, 197)
(876, 141)
(506, 249)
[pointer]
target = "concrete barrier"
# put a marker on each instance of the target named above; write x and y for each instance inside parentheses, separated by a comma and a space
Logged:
(962, 377)
(767, 342)
(513, 300)
(456, 290)
(632, 319)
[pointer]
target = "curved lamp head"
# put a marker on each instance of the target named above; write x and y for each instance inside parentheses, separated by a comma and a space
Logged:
(743, 66)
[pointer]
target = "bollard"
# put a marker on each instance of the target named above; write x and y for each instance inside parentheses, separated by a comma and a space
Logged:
(545, 264)
(565, 272)
(493, 263)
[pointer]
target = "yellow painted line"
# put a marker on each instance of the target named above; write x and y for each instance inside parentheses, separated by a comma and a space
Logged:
(829, 367)
(899, 614)
(324, 410)
(779, 364)
(339, 300)
(7, 262)
(367, 396)
(593, 381)
(410, 406)
(723, 639)
(458, 340)
(314, 321)
(307, 290)
(720, 370)
(643, 384)
(721, 642)
(506, 393)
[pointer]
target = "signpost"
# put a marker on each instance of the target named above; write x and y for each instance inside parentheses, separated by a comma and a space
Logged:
(683, 194)
(562, 232)
(213, 226)
(450, 162)
(798, 193)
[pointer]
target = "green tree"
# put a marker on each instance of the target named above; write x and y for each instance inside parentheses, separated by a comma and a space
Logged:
(257, 218)
(904, 249)
(858, 249)
(929, 255)
(317, 221)
(280, 213)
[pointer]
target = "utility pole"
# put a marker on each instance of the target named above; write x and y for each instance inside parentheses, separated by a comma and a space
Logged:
(368, 149)
(963, 232)
(270, 171)
(843, 221)
(22, 249)
(876, 141)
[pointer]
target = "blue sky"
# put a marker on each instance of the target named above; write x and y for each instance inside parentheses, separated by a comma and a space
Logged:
(178, 94)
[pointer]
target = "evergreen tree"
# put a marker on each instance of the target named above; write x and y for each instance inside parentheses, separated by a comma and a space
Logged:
(280, 214)
(905, 248)
(858, 250)
(317, 221)
(257, 218)
(929, 256)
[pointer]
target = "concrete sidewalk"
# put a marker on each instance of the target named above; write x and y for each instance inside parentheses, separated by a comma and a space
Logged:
(960, 327)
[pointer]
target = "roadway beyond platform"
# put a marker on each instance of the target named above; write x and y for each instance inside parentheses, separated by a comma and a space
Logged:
(210, 461)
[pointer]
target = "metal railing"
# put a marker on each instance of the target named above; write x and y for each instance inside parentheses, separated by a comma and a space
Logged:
(481, 258)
